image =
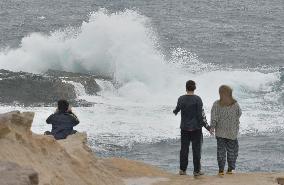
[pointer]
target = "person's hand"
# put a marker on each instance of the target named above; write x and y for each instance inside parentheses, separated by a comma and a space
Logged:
(69, 109)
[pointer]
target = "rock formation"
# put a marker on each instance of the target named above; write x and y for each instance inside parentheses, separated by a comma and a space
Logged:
(66, 162)
(13, 174)
(30, 159)
(44, 89)
(27, 88)
(280, 180)
(87, 80)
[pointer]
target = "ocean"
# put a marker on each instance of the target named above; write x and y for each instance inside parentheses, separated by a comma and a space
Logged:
(150, 49)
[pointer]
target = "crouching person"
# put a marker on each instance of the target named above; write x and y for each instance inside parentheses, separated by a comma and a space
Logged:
(62, 121)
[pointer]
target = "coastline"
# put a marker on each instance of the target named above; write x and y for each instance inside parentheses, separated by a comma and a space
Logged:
(258, 153)
(72, 162)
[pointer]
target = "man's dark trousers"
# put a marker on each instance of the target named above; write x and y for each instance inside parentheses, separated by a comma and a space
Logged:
(196, 138)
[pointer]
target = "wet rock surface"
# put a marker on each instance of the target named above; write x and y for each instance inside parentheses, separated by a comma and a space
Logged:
(44, 89)
(87, 80)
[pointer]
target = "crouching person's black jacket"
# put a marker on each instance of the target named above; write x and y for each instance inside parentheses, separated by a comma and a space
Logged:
(62, 124)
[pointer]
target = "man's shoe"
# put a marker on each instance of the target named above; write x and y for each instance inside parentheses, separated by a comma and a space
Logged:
(181, 172)
(198, 173)
(221, 173)
(229, 171)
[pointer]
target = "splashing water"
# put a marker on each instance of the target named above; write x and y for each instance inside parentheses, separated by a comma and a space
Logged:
(123, 45)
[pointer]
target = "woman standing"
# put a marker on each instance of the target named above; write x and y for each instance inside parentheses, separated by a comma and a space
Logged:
(225, 115)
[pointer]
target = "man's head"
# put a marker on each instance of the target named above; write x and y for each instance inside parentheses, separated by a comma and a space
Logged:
(190, 85)
(62, 105)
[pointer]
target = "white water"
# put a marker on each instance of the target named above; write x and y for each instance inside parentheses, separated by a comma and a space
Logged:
(123, 45)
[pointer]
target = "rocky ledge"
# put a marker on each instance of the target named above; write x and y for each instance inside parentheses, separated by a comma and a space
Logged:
(44, 89)
(27, 158)
(12, 173)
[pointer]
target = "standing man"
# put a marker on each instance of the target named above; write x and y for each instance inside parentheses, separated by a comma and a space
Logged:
(192, 120)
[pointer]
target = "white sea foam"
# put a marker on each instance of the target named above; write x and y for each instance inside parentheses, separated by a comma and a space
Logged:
(79, 89)
(124, 46)
(41, 17)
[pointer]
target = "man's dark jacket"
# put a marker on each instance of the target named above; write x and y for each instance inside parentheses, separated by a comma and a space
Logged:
(192, 113)
(62, 124)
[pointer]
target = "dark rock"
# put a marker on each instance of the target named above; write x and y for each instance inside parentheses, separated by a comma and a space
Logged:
(27, 89)
(80, 103)
(58, 74)
(13, 174)
(30, 88)
(87, 80)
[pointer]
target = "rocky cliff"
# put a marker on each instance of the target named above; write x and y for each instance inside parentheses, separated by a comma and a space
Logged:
(29, 159)
(67, 162)
(13, 174)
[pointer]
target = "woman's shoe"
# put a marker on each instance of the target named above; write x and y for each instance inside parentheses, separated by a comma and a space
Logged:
(181, 172)
(198, 173)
